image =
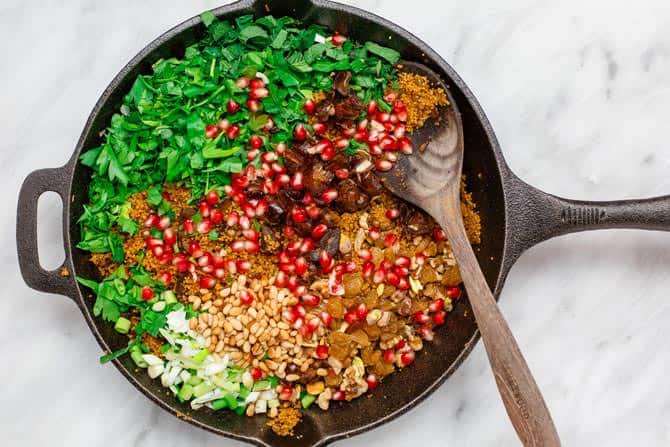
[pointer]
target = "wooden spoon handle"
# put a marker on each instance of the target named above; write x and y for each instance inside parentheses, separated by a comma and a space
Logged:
(520, 394)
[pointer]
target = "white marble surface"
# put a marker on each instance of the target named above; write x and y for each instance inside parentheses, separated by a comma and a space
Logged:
(560, 81)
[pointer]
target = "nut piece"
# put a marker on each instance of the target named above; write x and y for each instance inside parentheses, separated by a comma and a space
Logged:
(324, 399)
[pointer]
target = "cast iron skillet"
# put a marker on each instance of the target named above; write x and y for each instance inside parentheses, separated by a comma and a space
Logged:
(515, 216)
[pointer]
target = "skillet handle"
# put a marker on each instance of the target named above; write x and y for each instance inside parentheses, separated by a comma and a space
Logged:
(537, 216)
(60, 280)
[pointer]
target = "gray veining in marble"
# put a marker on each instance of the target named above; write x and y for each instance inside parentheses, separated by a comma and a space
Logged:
(578, 93)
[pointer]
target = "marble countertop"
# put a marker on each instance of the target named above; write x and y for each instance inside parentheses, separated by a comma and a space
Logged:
(578, 94)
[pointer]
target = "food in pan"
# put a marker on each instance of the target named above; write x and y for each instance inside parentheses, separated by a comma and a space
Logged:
(242, 236)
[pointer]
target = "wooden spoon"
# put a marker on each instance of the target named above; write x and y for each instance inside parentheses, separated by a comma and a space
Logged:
(430, 178)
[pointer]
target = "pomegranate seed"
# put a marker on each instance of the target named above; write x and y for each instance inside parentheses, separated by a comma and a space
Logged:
(205, 226)
(402, 116)
(212, 197)
(250, 234)
(165, 277)
(402, 261)
(252, 154)
(194, 249)
(325, 260)
(328, 153)
(382, 117)
(309, 106)
(254, 105)
(251, 246)
(437, 305)
(237, 246)
(341, 143)
(454, 293)
(268, 157)
(439, 318)
(392, 279)
(262, 207)
(182, 266)
(211, 131)
(281, 279)
(313, 211)
(152, 220)
(338, 39)
(232, 219)
(339, 395)
(403, 284)
(372, 382)
(400, 345)
(246, 297)
(204, 209)
(243, 265)
(386, 264)
(392, 213)
(296, 181)
(293, 247)
(388, 143)
(300, 133)
(406, 358)
(322, 352)
(390, 240)
(307, 245)
(312, 325)
(388, 356)
(350, 317)
(205, 260)
(218, 261)
(169, 236)
(259, 93)
(319, 128)
(388, 126)
(300, 266)
(439, 235)
(256, 373)
(421, 318)
(426, 333)
(420, 258)
(242, 82)
(372, 107)
(289, 231)
(255, 142)
(329, 195)
(361, 312)
(326, 318)
(376, 150)
(383, 165)
(368, 267)
(286, 392)
(232, 106)
(223, 124)
(256, 83)
(245, 222)
(319, 230)
(374, 233)
(365, 254)
(401, 271)
(350, 267)
(311, 299)
(399, 132)
(233, 132)
(207, 282)
(342, 174)
(298, 215)
(147, 293)
(217, 217)
(378, 276)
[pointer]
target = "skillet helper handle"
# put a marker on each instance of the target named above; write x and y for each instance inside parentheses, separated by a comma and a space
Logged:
(538, 216)
(60, 280)
(520, 394)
